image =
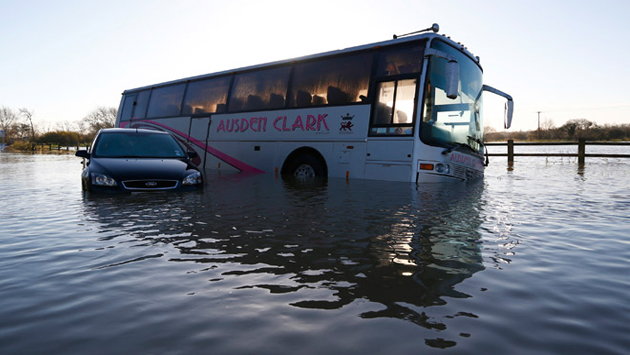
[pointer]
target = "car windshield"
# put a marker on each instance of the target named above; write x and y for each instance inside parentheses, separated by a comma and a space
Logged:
(137, 145)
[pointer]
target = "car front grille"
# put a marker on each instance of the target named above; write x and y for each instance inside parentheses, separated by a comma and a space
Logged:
(150, 185)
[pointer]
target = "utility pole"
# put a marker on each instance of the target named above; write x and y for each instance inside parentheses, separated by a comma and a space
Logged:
(539, 124)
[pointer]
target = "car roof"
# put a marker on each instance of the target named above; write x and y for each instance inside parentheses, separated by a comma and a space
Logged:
(131, 130)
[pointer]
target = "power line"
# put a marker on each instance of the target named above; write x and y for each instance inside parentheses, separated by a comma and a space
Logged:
(585, 109)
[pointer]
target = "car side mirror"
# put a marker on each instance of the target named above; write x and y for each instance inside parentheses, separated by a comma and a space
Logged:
(192, 154)
(82, 154)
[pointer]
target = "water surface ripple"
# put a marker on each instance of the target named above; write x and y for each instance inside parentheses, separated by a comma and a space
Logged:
(532, 260)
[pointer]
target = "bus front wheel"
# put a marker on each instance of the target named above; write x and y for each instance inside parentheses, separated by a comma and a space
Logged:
(306, 167)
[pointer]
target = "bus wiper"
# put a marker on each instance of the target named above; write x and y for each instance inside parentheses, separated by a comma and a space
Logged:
(476, 140)
(460, 145)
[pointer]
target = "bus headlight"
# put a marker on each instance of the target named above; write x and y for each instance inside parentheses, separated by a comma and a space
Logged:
(442, 168)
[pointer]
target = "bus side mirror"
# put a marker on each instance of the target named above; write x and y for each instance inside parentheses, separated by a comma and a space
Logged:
(509, 111)
(452, 79)
(452, 71)
(509, 105)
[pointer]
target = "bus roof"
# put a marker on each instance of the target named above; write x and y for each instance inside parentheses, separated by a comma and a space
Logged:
(391, 42)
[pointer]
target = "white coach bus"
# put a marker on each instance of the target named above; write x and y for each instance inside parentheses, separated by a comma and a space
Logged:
(407, 109)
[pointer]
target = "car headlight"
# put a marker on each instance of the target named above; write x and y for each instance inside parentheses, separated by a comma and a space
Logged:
(192, 179)
(102, 180)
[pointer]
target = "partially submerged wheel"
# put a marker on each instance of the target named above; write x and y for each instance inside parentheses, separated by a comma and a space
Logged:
(304, 172)
(306, 168)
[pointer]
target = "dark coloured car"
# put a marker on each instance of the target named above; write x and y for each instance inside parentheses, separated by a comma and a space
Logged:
(138, 160)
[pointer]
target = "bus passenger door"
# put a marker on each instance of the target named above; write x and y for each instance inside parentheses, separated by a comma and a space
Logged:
(391, 135)
(199, 138)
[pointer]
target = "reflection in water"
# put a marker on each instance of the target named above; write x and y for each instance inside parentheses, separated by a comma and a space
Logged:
(397, 245)
(253, 265)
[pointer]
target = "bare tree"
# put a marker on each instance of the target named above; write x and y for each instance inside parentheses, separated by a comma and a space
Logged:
(547, 124)
(46, 127)
(546, 128)
(8, 118)
(8, 124)
(66, 126)
(576, 127)
(82, 126)
(488, 130)
(102, 117)
(22, 130)
(27, 115)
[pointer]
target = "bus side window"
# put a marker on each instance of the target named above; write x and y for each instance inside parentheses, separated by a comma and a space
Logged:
(127, 107)
(303, 98)
(206, 96)
(276, 100)
(336, 96)
(166, 101)
(259, 90)
(335, 81)
(254, 102)
(142, 101)
(402, 60)
(383, 113)
(394, 108)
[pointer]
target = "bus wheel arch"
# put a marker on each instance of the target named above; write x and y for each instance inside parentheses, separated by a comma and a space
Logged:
(305, 163)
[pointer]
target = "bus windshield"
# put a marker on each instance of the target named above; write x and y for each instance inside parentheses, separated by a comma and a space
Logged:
(453, 122)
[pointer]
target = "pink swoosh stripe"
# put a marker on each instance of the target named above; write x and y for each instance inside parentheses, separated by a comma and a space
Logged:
(226, 158)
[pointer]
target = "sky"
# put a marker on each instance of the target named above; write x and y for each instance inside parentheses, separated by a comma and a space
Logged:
(559, 60)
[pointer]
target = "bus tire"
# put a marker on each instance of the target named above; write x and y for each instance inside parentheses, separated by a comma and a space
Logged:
(306, 167)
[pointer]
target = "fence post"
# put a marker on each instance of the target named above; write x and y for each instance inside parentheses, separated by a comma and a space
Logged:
(581, 151)
(510, 151)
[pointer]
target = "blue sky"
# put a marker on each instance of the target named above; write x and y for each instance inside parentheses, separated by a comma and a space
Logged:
(64, 58)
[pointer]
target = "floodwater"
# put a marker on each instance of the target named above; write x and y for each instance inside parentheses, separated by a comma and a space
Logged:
(533, 259)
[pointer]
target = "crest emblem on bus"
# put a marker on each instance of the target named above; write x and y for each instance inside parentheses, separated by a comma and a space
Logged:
(346, 123)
